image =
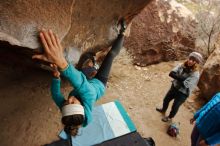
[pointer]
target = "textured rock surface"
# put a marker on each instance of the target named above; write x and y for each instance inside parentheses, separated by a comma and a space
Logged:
(161, 32)
(79, 24)
(209, 82)
(21, 20)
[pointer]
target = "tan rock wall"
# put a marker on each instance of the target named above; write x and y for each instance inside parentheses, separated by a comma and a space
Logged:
(80, 24)
(209, 82)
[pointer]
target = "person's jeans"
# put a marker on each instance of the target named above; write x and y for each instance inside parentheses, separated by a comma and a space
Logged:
(105, 68)
(195, 137)
(179, 99)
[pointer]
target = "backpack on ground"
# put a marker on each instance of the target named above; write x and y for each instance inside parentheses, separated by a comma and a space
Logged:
(173, 129)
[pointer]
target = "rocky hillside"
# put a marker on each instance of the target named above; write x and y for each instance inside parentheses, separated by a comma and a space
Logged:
(163, 31)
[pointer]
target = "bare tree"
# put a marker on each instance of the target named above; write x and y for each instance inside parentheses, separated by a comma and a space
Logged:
(208, 16)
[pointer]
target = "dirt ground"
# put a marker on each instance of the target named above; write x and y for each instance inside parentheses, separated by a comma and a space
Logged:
(30, 118)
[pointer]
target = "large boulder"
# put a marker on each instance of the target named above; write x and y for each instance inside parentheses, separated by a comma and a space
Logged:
(209, 83)
(81, 25)
(163, 31)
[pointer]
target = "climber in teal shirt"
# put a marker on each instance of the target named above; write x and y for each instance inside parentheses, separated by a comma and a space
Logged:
(77, 108)
(87, 91)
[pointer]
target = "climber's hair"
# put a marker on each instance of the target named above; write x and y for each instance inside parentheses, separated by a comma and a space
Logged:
(71, 123)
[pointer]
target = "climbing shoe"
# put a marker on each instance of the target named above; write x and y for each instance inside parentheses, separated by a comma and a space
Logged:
(122, 22)
(160, 110)
(166, 119)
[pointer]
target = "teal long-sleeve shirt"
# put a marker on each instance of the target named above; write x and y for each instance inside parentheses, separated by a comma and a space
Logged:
(208, 120)
(87, 90)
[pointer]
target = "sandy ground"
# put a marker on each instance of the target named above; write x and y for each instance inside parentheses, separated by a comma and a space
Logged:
(30, 118)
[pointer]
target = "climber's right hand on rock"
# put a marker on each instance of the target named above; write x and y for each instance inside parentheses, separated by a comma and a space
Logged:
(53, 51)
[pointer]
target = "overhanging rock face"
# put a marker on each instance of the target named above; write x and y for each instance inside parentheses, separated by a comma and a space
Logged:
(22, 20)
(80, 24)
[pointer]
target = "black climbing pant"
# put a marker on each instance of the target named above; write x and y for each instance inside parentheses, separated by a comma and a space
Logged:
(105, 68)
(179, 99)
